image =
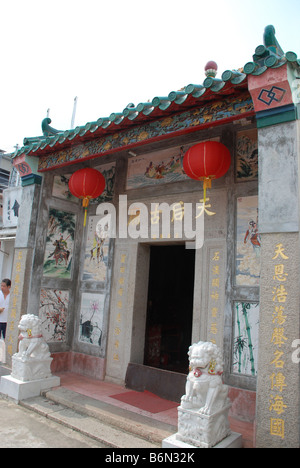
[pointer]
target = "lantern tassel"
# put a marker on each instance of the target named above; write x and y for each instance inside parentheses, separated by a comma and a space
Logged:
(206, 185)
(85, 204)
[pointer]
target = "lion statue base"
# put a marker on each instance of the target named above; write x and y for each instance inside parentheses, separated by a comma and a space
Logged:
(33, 360)
(203, 413)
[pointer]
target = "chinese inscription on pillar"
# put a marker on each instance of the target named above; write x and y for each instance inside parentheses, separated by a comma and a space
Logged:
(215, 296)
(120, 305)
(277, 383)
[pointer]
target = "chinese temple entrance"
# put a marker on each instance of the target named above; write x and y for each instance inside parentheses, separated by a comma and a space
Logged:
(170, 308)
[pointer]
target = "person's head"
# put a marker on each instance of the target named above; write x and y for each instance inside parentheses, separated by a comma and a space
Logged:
(5, 286)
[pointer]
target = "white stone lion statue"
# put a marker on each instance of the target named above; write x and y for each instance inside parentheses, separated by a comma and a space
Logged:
(32, 345)
(205, 391)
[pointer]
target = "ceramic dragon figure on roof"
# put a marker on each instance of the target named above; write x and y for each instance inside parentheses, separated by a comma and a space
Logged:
(271, 42)
(47, 130)
(270, 53)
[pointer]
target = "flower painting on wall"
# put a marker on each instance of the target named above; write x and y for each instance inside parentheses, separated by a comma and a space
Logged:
(245, 338)
(53, 313)
(91, 318)
(248, 242)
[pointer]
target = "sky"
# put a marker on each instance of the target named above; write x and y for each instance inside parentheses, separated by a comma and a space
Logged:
(115, 52)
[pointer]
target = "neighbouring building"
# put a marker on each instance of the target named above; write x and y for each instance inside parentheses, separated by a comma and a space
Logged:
(10, 201)
(126, 309)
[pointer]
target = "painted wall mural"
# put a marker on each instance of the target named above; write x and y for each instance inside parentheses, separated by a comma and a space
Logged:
(59, 244)
(108, 171)
(91, 318)
(60, 188)
(245, 338)
(96, 253)
(162, 167)
(248, 242)
(54, 312)
(247, 155)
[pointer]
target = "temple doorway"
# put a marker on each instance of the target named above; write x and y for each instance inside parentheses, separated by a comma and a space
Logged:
(170, 308)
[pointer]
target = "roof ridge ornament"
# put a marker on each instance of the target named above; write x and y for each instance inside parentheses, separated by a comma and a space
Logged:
(270, 53)
(271, 42)
(47, 130)
(211, 69)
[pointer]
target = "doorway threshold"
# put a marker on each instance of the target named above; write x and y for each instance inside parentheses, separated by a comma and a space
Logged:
(163, 383)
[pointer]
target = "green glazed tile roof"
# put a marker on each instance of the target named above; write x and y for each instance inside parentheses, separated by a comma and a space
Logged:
(269, 55)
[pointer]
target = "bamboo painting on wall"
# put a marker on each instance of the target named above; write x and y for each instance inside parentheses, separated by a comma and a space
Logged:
(245, 338)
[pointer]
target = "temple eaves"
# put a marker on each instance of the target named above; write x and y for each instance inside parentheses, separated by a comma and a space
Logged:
(269, 55)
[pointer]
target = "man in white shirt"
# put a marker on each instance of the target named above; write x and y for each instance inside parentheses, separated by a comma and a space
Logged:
(4, 302)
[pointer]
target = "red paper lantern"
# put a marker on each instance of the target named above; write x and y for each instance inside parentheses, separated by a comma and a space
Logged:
(207, 161)
(85, 184)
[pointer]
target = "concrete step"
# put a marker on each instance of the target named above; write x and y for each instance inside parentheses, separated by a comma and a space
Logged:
(110, 425)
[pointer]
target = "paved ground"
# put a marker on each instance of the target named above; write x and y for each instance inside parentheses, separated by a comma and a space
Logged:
(21, 428)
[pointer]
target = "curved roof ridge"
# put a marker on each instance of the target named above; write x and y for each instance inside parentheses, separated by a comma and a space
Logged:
(269, 55)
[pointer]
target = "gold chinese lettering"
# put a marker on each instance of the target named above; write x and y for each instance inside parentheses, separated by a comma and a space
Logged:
(215, 296)
(123, 258)
(155, 214)
(280, 252)
(278, 315)
(178, 212)
(277, 428)
(280, 294)
(216, 257)
(278, 406)
(279, 364)
(278, 337)
(278, 381)
(280, 275)
(204, 208)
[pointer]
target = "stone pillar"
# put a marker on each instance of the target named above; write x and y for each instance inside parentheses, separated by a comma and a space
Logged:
(276, 102)
(278, 389)
(22, 266)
